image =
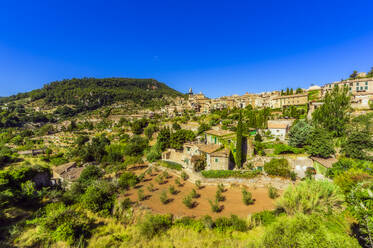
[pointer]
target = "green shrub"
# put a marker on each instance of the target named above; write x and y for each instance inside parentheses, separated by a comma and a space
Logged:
(277, 167)
(61, 223)
(263, 218)
(127, 180)
(229, 173)
(184, 176)
(177, 182)
(198, 184)
(188, 202)
(189, 222)
(172, 190)
(154, 224)
(293, 176)
(215, 206)
(232, 223)
(150, 187)
(160, 179)
(312, 196)
(165, 174)
(247, 197)
(99, 197)
(219, 196)
(308, 231)
(163, 197)
(141, 195)
(285, 149)
(272, 192)
(221, 187)
(171, 165)
(194, 194)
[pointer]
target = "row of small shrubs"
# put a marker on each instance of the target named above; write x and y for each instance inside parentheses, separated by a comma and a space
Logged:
(229, 173)
(171, 165)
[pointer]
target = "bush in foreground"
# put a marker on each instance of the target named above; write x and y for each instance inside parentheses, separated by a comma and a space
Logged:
(312, 196)
(154, 224)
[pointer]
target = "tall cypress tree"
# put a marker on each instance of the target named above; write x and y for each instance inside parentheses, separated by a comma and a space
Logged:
(239, 143)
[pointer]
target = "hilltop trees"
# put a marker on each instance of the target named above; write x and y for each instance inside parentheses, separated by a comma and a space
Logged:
(334, 114)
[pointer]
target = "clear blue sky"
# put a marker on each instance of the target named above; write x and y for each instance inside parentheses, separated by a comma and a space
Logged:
(218, 47)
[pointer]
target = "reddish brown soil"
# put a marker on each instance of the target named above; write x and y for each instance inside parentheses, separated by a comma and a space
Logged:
(232, 204)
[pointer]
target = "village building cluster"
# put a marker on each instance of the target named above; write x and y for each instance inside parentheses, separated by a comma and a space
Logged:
(217, 147)
(361, 90)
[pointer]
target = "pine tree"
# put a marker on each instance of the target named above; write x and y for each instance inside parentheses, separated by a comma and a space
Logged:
(239, 143)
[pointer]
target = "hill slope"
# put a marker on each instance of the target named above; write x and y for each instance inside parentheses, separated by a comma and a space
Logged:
(91, 93)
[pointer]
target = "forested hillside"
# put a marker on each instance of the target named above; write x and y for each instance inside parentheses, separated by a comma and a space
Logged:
(91, 93)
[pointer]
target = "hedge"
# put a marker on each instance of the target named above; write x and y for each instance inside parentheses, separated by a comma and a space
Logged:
(229, 173)
(171, 165)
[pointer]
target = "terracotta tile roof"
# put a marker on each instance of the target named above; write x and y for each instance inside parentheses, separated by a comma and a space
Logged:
(208, 148)
(219, 132)
(277, 125)
(327, 162)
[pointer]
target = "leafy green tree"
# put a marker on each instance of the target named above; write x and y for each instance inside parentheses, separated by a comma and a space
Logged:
(138, 126)
(239, 155)
(89, 174)
(299, 134)
(357, 144)
(178, 138)
(277, 167)
(150, 130)
(99, 197)
(136, 146)
(127, 180)
(164, 138)
(203, 128)
(176, 126)
(321, 144)
(334, 114)
(354, 74)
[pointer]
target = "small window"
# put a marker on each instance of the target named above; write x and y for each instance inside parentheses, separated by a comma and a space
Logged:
(350, 88)
(188, 148)
(366, 83)
(366, 87)
(351, 84)
(357, 84)
(216, 160)
(357, 88)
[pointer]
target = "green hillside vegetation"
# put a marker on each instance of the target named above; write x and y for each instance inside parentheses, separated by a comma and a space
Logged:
(92, 93)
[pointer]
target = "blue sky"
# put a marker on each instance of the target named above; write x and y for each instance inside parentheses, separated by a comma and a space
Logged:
(217, 47)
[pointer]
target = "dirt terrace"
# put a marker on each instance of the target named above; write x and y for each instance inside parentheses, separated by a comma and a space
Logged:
(232, 204)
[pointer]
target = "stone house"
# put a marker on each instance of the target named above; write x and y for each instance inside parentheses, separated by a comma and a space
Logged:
(289, 100)
(68, 173)
(216, 156)
(219, 136)
(279, 128)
